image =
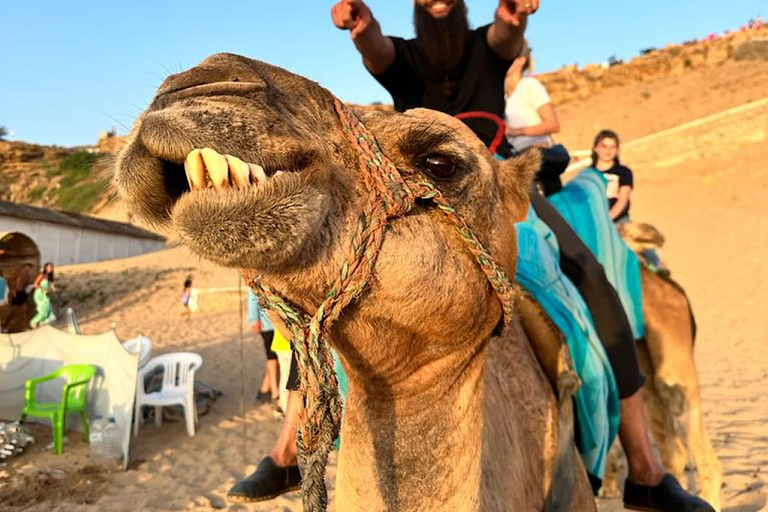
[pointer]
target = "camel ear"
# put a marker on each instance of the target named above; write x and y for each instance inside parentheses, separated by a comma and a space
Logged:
(516, 176)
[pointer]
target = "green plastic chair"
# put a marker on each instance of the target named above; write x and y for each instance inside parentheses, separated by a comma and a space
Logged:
(73, 399)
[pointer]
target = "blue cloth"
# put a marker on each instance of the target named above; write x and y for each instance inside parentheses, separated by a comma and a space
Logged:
(597, 401)
(341, 376)
(256, 314)
(3, 290)
(582, 203)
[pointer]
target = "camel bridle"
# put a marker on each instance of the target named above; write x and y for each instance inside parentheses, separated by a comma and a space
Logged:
(390, 195)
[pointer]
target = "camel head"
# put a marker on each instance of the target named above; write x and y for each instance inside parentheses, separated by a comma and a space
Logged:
(250, 165)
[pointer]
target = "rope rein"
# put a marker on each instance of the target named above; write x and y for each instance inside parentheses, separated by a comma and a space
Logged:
(389, 196)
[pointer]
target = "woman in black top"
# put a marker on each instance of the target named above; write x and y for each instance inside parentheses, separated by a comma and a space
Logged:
(605, 158)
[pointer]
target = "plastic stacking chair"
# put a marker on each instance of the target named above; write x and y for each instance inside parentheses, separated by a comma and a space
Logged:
(73, 399)
(178, 387)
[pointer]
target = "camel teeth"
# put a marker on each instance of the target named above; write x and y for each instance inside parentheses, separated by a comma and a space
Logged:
(217, 167)
(239, 172)
(257, 173)
(194, 167)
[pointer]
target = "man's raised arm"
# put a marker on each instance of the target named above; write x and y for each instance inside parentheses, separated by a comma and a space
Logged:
(506, 36)
(377, 50)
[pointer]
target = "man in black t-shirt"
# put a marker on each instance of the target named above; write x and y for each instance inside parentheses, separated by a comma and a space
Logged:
(448, 66)
(454, 69)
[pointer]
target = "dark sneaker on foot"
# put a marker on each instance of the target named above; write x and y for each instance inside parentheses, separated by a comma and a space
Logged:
(267, 482)
(666, 496)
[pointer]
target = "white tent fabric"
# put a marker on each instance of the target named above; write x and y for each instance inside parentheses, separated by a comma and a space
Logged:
(36, 353)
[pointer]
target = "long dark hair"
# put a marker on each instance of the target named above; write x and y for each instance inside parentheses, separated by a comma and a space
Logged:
(605, 134)
(48, 275)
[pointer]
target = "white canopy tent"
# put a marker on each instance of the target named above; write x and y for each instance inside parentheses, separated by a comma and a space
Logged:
(31, 354)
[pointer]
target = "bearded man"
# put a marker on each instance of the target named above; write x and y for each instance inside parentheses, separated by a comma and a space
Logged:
(455, 69)
(448, 66)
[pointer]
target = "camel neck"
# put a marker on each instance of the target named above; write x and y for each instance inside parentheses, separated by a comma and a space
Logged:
(415, 450)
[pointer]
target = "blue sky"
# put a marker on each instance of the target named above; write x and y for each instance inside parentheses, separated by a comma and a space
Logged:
(71, 69)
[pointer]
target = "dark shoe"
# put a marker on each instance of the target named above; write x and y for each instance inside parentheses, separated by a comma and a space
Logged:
(267, 482)
(263, 397)
(666, 496)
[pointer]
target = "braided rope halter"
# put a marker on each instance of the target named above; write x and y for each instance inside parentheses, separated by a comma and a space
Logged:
(389, 196)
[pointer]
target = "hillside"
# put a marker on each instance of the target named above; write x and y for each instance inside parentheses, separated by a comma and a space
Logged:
(51, 176)
(653, 92)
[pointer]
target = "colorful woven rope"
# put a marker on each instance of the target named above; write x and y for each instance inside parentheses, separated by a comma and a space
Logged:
(389, 196)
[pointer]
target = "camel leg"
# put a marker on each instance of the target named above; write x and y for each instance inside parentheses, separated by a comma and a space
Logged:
(662, 403)
(668, 358)
(708, 468)
(674, 456)
(615, 469)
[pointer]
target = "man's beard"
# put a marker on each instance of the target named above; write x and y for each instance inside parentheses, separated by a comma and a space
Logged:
(444, 40)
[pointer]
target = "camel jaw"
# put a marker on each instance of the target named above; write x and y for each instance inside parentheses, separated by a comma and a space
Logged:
(260, 220)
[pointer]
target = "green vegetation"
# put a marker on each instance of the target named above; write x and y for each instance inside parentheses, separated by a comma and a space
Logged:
(79, 192)
(82, 197)
(37, 192)
(76, 167)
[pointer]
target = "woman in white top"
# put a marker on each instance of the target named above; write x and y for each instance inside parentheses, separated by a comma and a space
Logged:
(531, 119)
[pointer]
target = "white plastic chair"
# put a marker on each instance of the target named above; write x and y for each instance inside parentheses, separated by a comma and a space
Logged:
(178, 387)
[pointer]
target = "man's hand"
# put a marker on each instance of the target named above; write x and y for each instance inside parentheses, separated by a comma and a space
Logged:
(513, 11)
(352, 15)
(256, 326)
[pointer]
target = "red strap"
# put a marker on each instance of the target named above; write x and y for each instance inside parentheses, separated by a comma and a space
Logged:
(502, 126)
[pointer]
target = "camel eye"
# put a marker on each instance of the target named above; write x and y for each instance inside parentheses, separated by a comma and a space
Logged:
(440, 167)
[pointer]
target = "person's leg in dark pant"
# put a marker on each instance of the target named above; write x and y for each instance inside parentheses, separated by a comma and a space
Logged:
(278, 472)
(585, 272)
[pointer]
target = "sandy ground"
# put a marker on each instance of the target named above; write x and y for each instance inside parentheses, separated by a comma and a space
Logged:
(711, 203)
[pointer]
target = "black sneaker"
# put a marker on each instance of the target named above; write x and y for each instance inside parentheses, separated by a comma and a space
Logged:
(666, 496)
(267, 482)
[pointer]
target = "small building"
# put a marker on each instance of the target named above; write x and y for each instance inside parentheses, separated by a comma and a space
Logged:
(67, 238)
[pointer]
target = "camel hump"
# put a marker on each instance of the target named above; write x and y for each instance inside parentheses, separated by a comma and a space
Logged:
(549, 345)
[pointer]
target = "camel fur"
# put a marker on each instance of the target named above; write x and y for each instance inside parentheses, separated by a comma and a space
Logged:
(441, 415)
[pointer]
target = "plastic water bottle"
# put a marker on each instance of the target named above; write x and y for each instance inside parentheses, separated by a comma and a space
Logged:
(105, 439)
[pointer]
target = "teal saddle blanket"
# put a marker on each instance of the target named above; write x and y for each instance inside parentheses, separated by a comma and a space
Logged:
(597, 401)
(582, 203)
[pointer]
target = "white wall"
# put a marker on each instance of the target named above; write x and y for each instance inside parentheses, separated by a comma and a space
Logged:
(67, 245)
